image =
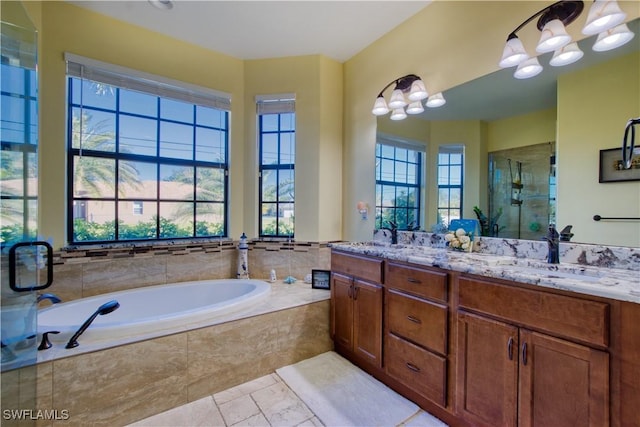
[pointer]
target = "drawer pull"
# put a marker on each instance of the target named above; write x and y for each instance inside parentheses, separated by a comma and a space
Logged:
(412, 280)
(510, 348)
(412, 367)
(414, 319)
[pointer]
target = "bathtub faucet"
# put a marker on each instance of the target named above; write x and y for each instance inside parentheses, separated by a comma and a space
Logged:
(105, 308)
(51, 297)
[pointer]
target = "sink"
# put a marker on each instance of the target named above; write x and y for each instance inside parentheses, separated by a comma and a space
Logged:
(583, 276)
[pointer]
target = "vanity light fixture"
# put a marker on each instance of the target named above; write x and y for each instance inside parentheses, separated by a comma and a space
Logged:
(436, 100)
(162, 4)
(605, 17)
(409, 91)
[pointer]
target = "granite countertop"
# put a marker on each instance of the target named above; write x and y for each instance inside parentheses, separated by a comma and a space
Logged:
(614, 283)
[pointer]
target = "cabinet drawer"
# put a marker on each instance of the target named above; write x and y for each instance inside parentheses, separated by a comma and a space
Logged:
(424, 283)
(423, 322)
(573, 318)
(418, 369)
(357, 266)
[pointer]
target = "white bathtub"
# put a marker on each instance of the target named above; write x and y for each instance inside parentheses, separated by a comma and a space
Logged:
(153, 308)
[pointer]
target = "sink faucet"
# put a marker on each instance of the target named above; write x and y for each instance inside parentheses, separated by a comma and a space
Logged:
(393, 229)
(566, 234)
(553, 243)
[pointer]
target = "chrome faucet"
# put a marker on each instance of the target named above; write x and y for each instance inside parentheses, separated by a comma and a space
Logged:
(553, 243)
(393, 229)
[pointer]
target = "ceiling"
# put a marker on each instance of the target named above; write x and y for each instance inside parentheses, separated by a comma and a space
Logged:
(267, 29)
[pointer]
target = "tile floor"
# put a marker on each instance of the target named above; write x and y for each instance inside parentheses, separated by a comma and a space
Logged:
(266, 401)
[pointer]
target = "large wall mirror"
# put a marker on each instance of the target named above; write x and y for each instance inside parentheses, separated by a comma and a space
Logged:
(531, 132)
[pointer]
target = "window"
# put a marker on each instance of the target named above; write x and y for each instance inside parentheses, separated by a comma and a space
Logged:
(147, 159)
(398, 185)
(277, 141)
(450, 184)
(19, 152)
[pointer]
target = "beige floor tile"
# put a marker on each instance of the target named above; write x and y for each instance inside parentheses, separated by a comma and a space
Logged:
(203, 412)
(281, 406)
(313, 422)
(244, 389)
(238, 409)
(257, 420)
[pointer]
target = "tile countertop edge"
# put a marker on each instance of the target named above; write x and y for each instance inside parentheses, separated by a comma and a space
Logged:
(623, 285)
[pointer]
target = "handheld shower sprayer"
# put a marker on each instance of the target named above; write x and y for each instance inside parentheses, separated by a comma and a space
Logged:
(105, 308)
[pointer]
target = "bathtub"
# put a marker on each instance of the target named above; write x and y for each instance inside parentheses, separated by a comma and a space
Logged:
(144, 311)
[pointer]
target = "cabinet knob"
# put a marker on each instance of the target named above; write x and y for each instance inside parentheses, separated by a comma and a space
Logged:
(510, 348)
(524, 354)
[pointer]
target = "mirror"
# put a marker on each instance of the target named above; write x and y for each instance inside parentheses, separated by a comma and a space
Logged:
(499, 97)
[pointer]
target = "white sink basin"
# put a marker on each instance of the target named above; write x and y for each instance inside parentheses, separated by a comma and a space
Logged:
(584, 276)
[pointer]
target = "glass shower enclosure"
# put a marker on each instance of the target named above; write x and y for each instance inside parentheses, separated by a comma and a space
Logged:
(522, 191)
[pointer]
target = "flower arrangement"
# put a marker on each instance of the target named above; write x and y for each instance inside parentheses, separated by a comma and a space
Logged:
(459, 240)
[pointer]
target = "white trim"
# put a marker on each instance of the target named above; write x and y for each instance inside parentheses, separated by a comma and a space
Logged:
(276, 103)
(396, 141)
(92, 69)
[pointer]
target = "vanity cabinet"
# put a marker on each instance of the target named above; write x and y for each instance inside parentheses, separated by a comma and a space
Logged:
(416, 329)
(356, 306)
(530, 358)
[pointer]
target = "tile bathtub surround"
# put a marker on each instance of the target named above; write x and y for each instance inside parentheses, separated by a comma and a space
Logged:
(83, 272)
(621, 257)
(120, 385)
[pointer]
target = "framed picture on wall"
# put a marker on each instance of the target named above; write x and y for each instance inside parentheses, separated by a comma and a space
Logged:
(611, 169)
(321, 279)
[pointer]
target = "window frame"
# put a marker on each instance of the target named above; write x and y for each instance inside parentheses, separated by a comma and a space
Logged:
(418, 187)
(449, 150)
(278, 106)
(161, 89)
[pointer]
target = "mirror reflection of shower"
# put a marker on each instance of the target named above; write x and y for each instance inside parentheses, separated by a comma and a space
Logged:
(522, 191)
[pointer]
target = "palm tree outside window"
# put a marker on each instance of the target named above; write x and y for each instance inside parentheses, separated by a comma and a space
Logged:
(147, 159)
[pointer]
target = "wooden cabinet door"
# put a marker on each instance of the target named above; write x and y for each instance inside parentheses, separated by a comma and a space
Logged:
(342, 310)
(367, 336)
(562, 383)
(487, 371)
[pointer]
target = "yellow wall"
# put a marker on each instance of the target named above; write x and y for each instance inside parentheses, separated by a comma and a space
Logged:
(317, 83)
(316, 80)
(471, 134)
(447, 44)
(337, 131)
(520, 131)
(591, 117)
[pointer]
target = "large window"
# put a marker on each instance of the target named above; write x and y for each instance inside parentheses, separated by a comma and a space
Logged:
(450, 183)
(398, 185)
(277, 141)
(19, 153)
(147, 159)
